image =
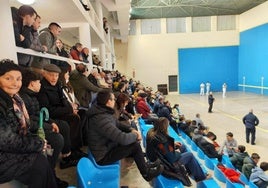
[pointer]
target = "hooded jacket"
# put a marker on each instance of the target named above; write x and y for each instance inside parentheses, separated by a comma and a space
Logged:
(258, 174)
(248, 165)
(105, 132)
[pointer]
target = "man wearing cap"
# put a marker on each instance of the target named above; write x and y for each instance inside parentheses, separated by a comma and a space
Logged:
(51, 96)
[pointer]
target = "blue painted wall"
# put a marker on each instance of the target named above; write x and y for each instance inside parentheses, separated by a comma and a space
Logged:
(215, 64)
(253, 59)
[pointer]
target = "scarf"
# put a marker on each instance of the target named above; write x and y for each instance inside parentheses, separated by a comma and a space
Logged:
(21, 114)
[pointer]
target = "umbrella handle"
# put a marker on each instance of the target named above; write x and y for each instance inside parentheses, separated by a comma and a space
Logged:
(45, 112)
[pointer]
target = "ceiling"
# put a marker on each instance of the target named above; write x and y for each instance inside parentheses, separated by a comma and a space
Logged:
(118, 13)
(149, 9)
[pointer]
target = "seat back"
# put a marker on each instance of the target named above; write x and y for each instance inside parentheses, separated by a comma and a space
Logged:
(211, 162)
(219, 175)
(200, 153)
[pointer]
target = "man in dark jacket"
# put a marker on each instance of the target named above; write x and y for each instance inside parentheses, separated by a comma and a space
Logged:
(110, 141)
(211, 100)
(250, 121)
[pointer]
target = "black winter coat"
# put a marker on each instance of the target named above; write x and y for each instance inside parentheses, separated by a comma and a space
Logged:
(105, 132)
(17, 152)
(53, 99)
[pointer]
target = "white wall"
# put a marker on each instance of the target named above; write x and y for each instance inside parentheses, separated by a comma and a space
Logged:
(154, 57)
(254, 17)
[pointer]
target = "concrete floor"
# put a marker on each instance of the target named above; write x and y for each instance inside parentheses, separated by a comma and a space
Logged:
(227, 116)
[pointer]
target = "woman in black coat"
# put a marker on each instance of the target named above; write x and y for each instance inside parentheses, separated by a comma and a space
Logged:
(20, 151)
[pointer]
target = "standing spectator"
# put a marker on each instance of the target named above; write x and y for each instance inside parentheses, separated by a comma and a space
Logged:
(238, 157)
(85, 54)
(250, 163)
(76, 52)
(258, 175)
(110, 141)
(211, 100)
(63, 65)
(224, 87)
(208, 87)
(202, 89)
(20, 152)
(48, 37)
(23, 19)
(250, 121)
(229, 145)
(83, 88)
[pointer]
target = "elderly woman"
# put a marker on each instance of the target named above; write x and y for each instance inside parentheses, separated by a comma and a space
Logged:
(20, 152)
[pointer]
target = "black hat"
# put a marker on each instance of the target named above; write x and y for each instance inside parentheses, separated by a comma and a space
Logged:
(7, 65)
(52, 68)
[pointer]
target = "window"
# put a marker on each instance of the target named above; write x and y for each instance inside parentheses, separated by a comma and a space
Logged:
(151, 26)
(176, 25)
(200, 24)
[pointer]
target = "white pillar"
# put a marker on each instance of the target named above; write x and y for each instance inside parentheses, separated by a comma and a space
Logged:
(109, 61)
(98, 10)
(85, 38)
(103, 55)
(7, 44)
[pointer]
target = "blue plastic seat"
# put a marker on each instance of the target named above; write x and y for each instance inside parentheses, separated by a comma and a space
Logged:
(163, 182)
(252, 185)
(226, 161)
(194, 146)
(211, 162)
(230, 184)
(200, 154)
(209, 183)
(88, 175)
(219, 175)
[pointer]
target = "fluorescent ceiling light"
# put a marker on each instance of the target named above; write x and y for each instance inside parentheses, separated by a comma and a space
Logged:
(94, 49)
(26, 2)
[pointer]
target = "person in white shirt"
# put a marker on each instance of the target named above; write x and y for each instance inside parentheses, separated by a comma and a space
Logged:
(207, 87)
(224, 87)
(202, 89)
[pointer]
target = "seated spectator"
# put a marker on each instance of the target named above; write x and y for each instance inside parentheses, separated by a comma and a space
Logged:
(109, 141)
(198, 134)
(63, 53)
(92, 77)
(238, 157)
(249, 163)
(75, 52)
(48, 37)
(159, 101)
(258, 175)
(54, 130)
(85, 54)
(51, 96)
(20, 152)
(158, 142)
(198, 120)
(83, 88)
(208, 147)
(143, 108)
(229, 145)
(164, 110)
(176, 112)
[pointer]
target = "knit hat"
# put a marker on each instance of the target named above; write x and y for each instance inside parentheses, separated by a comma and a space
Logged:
(7, 65)
(52, 68)
(142, 95)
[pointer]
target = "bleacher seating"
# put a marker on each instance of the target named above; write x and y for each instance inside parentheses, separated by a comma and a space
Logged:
(209, 183)
(230, 184)
(211, 162)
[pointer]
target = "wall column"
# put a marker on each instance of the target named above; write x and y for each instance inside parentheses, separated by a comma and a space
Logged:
(85, 38)
(7, 39)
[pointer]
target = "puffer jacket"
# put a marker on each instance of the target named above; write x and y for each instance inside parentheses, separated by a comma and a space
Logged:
(238, 158)
(17, 152)
(105, 132)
